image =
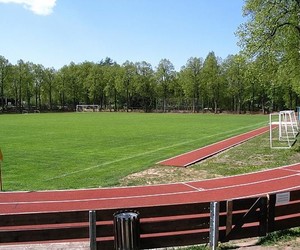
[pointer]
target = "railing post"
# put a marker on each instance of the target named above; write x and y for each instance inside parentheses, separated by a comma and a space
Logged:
(214, 225)
(92, 230)
(229, 209)
(264, 213)
(271, 214)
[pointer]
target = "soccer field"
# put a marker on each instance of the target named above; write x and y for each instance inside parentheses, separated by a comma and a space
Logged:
(83, 150)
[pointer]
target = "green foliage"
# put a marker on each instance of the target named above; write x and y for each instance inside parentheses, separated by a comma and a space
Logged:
(165, 76)
(264, 76)
(74, 150)
(212, 74)
(279, 237)
(190, 78)
(271, 35)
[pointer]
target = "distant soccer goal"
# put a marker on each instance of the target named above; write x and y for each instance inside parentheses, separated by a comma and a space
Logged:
(87, 108)
(284, 129)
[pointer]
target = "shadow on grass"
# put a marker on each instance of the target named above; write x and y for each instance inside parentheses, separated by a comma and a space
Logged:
(226, 247)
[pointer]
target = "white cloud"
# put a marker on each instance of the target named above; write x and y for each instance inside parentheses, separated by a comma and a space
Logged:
(39, 7)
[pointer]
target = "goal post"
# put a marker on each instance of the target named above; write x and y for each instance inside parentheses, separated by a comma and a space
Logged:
(87, 108)
(284, 129)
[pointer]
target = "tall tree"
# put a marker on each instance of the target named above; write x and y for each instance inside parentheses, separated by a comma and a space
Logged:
(145, 85)
(39, 79)
(273, 27)
(125, 82)
(29, 84)
(251, 78)
(4, 74)
(211, 75)
(235, 67)
(73, 86)
(83, 72)
(107, 62)
(49, 85)
(62, 79)
(267, 68)
(23, 84)
(97, 84)
(165, 75)
(110, 75)
(190, 77)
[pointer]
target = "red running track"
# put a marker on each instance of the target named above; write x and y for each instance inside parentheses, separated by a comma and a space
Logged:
(200, 154)
(254, 184)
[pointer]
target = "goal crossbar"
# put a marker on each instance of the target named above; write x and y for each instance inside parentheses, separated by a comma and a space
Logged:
(87, 108)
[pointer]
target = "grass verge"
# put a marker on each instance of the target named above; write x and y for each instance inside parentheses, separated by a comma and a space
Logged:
(254, 155)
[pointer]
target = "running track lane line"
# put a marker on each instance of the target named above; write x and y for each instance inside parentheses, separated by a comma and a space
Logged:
(6, 197)
(283, 179)
(153, 195)
(197, 155)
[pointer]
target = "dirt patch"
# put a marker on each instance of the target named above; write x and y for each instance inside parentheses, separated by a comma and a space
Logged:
(49, 246)
(163, 175)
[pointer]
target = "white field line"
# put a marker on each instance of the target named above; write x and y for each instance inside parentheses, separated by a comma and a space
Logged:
(142, 154)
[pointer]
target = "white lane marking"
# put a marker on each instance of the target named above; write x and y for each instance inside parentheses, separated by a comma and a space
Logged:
(99, 199)
(193, 187)
(155, 195)
(252, 183)
(292, 170)
(267, 193)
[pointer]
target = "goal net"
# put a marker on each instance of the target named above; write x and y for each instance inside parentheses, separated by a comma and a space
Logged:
(87, 108)
(284, 129)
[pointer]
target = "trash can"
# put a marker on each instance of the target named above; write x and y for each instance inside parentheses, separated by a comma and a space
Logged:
(127, 232)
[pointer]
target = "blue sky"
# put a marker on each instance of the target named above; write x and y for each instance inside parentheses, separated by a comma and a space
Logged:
(134, 30)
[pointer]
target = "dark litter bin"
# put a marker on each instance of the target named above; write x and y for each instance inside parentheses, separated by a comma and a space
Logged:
(127, 233)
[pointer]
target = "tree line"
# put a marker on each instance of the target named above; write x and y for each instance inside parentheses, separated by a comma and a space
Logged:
(264, 76)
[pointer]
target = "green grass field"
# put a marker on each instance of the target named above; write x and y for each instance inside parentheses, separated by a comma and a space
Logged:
(83, 150)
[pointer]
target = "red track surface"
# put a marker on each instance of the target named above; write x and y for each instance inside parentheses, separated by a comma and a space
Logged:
(254, 184)
(192, 157)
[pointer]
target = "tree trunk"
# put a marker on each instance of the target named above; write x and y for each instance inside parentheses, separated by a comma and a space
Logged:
(216, 107)
(127, 99)
(2, 92)
(115, 100)
(20, 95)
(50, 96)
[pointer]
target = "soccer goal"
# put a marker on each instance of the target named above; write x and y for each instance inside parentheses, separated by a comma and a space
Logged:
(87, 108)
(284, 129)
